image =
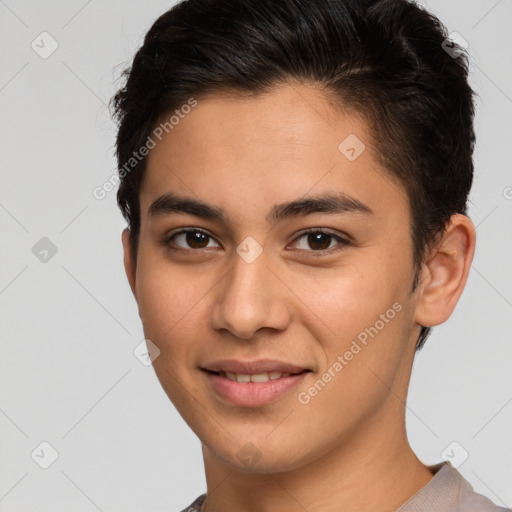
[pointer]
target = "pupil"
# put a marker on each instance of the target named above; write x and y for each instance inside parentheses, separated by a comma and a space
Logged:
(316, 238)
(194, 239)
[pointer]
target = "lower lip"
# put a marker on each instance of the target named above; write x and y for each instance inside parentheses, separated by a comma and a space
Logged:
(253, 394)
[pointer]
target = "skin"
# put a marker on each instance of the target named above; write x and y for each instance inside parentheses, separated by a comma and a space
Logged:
(346, 449)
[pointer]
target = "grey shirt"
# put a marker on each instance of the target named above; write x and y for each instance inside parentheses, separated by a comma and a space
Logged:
(447, 491)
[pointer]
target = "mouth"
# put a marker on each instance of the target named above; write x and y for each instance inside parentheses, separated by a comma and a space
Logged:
(254, 377)
(253, 389)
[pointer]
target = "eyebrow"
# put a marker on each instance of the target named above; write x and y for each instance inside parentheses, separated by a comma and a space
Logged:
(332, 203)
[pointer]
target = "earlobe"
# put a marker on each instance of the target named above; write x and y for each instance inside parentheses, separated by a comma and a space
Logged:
(445, 273)
(129, 264)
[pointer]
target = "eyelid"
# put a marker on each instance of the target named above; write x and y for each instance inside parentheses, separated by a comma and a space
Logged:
(342, 240)
(179, 231)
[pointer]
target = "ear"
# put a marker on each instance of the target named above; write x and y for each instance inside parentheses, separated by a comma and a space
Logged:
(444, 275)
(129, 263)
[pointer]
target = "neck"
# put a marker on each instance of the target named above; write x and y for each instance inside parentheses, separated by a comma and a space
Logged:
(376, 468)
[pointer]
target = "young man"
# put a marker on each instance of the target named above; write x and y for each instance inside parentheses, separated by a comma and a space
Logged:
(294, 175)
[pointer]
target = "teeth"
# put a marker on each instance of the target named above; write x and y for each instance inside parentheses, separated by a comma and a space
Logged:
(256, 377)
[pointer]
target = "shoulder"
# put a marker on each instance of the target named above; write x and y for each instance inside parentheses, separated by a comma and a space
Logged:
(195, 506)
(471, 501)
(449, 491)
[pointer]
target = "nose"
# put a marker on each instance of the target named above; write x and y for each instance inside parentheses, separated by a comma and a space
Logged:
(250, 297)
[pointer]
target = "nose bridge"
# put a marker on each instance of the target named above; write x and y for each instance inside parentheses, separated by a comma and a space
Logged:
(250, 297)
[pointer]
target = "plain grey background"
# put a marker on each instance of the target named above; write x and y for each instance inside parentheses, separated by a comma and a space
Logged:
(69, 324)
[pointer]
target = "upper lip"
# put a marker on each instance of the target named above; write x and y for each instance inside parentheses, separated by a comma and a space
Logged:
(253, 367)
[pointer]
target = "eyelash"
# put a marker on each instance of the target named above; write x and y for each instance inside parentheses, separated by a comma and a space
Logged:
(320, 252)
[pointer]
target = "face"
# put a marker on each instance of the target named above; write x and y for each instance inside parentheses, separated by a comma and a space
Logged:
(269, 237)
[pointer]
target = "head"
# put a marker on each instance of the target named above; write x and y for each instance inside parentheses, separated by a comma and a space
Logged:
(256, 118)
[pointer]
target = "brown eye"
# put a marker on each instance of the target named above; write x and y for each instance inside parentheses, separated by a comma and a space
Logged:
(196, 239)
(191, 239)
(319, 240)
(316, 240)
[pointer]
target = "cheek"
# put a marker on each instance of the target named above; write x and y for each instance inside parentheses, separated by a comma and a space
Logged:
(172, 311)
(158, 299)
(167, 294)
(352, 297)
(365, 307)
(361, 360)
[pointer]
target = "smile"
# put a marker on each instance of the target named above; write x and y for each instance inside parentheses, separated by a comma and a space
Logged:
(253, 390)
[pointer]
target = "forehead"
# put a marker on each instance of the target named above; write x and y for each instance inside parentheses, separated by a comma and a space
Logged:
(248, 152)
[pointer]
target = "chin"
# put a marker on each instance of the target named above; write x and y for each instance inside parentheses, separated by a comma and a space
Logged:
(260, 457)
